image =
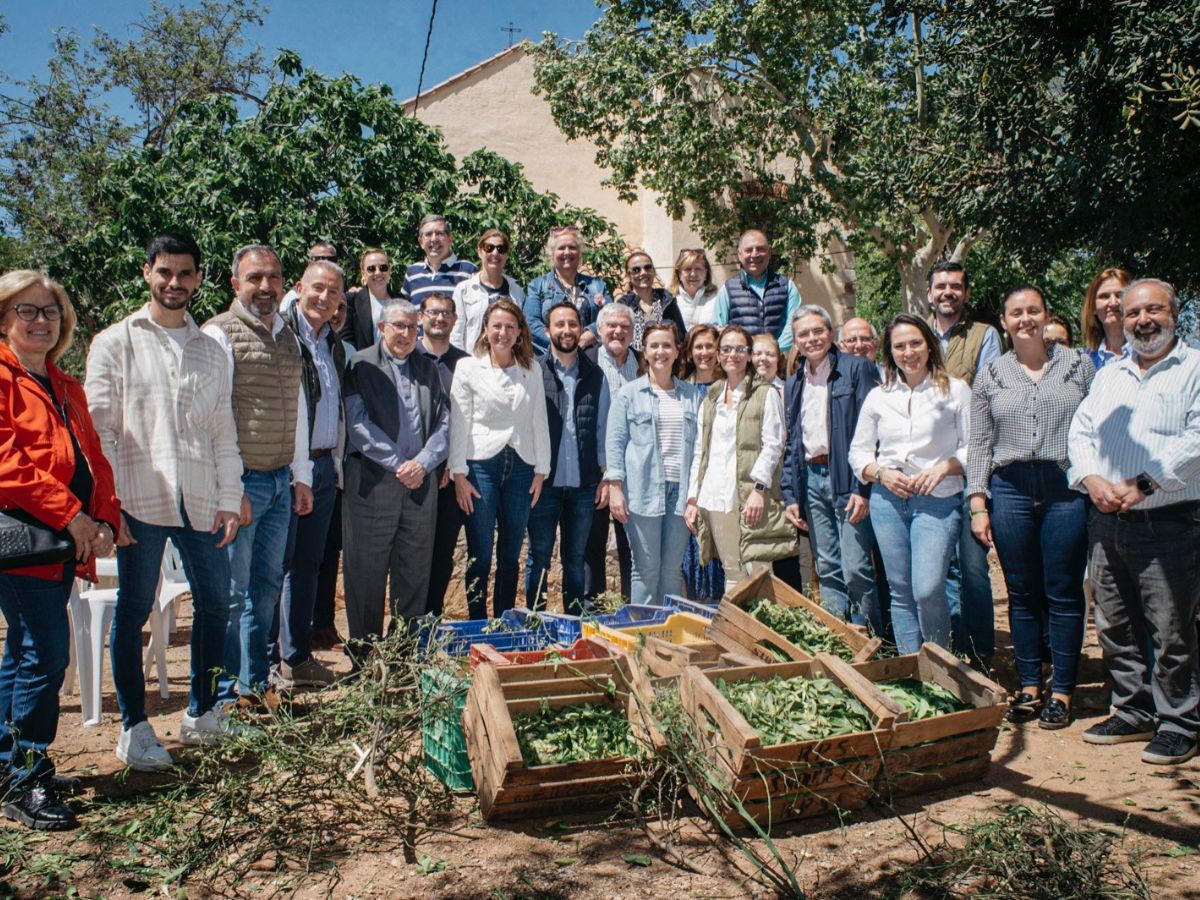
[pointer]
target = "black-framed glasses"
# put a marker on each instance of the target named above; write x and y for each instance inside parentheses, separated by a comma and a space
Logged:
(495, 248)
(382, 267)
(27, 312)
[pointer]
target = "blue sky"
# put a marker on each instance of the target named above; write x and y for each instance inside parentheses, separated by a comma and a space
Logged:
(375, 40)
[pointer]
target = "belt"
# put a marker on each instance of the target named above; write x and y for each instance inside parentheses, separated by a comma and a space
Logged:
(317, 454)
(822, 460)
(1176, 512)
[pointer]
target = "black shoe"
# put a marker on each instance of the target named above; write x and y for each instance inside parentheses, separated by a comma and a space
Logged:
(1169, 748)
(64, 785)
(1115, 730)
(1024, 708)
(40, 808)
(1055, 714)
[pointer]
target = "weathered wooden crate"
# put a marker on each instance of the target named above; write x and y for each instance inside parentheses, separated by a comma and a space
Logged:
(928, 754)
(665, 660)
(507, 787)
(737, 631)
(777, 783)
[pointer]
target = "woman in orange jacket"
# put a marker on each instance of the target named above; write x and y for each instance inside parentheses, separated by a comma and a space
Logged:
(52, 467)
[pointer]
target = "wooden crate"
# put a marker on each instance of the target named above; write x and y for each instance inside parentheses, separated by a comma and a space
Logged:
(737, 631)
(777, 783)
(665, 660)
(928, 754)
(507, 787)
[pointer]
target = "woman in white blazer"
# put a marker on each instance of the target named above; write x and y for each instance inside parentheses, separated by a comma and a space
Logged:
(499, 450)
(473, 296)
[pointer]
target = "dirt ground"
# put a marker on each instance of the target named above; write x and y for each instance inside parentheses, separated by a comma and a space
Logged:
(1156, 809)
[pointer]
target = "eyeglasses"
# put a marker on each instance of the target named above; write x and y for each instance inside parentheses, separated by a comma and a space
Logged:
(638, 270)
(858, 340)
(401, 326)
(27, 312)
(382, 267)
(495, 248)
(734, 351)
(440, 232)
(438, 313)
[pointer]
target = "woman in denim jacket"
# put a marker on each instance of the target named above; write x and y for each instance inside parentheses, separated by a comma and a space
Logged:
(564, 281)
(649, 443)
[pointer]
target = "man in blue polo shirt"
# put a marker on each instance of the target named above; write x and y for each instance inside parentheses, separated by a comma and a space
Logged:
(758, 298)
(441, 271)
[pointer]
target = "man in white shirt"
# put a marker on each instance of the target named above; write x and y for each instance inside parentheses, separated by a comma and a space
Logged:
(321, 251)
(1134, 445)
(159, 394)
(265, 366)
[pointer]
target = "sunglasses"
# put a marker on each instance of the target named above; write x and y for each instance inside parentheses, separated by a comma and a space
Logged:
(638, 270)
(321, 258)
(382, 267)
(27, 312)
(495, 248)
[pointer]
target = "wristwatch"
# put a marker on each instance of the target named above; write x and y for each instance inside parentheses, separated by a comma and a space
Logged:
(760, 487)
(1145, 484)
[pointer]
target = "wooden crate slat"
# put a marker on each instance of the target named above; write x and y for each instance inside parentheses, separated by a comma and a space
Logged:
(549, 671)
(945, 776)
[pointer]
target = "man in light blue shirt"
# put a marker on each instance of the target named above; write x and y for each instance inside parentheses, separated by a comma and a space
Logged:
(758, 298)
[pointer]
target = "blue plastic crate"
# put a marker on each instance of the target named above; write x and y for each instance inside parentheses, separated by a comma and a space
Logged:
(708, 610)
(456, 638)
(568, 629)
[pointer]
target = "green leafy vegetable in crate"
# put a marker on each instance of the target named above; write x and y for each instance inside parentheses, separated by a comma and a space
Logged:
(498, 626)
(800, 627)
(572, 734)
(922, 699)
(786, 710)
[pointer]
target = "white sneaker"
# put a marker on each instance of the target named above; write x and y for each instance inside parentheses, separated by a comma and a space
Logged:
(202, 730)
(138, 748)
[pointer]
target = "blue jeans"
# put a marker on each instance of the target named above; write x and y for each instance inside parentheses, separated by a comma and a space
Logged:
(138, 569)
(36, 652)
(969, 593)
(916, 539)
(568, 510)
(302, 565)
(503, 482)
(255, 577)
(658, 544)
(843, 553)
(1039, 526)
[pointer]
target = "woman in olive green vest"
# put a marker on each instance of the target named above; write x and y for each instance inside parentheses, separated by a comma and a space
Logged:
(735, 507)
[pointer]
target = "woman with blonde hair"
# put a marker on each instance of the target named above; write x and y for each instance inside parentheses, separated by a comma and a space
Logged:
(473, 296)
(692, 285)
(565, 248)
(499, 450)
(1100, 317)
(53, 478)
(647, 299)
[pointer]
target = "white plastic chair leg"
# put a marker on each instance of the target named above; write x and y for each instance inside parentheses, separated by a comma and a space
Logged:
(98, 621)
(156, 652)
(69, 676)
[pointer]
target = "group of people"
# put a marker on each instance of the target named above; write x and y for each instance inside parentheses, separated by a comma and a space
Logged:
(708, 429)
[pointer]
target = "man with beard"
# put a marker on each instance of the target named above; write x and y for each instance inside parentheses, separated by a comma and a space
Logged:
(573, 386)
(269, 407)
(967, 346)
(159, 394)
(1134, 445)
(438, 318)
(323, 360)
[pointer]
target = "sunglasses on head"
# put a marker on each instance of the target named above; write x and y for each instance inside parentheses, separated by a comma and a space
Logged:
(559, 229)
(382, 267)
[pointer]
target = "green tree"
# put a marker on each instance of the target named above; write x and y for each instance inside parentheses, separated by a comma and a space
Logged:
(321, 157)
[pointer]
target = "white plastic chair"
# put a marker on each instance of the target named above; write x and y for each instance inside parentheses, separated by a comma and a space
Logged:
(172, 584)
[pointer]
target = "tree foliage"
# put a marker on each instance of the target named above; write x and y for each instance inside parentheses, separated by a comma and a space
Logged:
(322, 157)
(916, 127)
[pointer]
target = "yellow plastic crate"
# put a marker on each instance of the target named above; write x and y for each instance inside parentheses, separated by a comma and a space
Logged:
(680, 628)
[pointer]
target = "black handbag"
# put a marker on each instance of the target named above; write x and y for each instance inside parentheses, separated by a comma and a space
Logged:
(26, 541)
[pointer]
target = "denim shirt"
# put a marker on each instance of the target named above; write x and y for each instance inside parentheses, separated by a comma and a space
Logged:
(546, 290)
(632, 452)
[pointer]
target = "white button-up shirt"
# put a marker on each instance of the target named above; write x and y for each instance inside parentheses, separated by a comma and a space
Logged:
(1133, 422)
(719, 490)
(165, 420)
(814, 409)
(914, 428)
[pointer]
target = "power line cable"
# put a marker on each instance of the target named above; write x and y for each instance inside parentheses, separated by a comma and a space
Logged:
(425, 56)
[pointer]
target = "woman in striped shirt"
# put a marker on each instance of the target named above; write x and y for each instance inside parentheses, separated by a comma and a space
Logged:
(1021, 503)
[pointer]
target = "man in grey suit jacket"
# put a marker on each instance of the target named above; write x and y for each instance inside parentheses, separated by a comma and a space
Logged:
(397, 422)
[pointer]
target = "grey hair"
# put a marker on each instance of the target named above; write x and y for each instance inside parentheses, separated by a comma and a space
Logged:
(552, 242)
(393, 309)
(331, 267)
(608, 310)
(811, 309)
(1165, 286)
(874, 334)
(248, 250)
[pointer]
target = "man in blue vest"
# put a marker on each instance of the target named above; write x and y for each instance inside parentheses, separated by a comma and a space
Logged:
(758, 298)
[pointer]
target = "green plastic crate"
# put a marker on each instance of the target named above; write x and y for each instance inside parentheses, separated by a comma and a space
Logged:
(441, 728)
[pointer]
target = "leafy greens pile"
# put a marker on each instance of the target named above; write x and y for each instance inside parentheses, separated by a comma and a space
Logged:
(785, 710)
(922, 699)
(573, 733)
(799, 627)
